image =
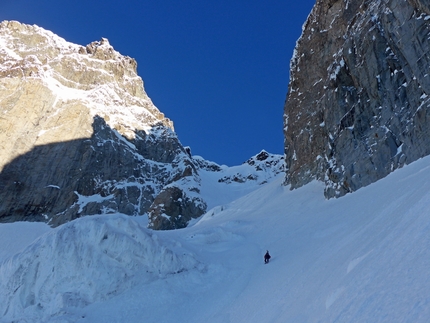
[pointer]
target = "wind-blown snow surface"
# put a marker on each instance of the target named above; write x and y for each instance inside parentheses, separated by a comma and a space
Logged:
(362, 258)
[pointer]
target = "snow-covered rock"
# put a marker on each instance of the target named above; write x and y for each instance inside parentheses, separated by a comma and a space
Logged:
(78, 133)
(358, 105)
(260, 168)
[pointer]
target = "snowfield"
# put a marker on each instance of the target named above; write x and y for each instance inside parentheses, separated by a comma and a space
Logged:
(362, 258)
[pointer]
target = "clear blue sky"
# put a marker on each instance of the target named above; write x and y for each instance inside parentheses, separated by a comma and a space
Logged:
(218, 69)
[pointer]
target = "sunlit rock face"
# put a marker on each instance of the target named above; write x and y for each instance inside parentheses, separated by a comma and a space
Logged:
(358, 100)
(79, 135)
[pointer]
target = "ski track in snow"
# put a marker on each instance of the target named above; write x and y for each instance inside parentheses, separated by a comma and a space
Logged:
(362, 258)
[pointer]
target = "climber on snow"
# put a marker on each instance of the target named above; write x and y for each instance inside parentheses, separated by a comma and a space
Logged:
(266, 257)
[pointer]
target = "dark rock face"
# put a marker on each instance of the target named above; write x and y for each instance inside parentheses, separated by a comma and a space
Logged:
(102, 174)
(358, 106)
(172, 209)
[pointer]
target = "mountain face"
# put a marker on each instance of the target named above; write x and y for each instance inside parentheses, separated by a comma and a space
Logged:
(79, 136)
(358, 101)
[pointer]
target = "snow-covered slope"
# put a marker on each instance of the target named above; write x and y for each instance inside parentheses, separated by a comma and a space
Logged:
(222, 184)
(360, 258)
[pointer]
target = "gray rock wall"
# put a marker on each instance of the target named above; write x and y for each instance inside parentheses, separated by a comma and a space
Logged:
(105, 173)
(357, 106)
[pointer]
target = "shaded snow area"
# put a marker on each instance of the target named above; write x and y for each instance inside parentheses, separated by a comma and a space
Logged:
(362, 258)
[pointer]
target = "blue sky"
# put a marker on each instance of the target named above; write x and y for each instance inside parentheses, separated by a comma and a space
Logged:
(218, 69)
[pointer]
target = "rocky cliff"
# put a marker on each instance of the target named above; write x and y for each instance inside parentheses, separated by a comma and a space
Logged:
(358, 100)
(79, 136)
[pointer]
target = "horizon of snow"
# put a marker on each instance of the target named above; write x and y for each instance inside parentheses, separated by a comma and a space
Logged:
(360, 258)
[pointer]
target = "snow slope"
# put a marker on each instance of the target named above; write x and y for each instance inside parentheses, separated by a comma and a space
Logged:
(362, 258)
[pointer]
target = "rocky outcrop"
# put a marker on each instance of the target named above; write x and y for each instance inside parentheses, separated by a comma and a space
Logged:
(260, 168)
(358, 101)
(172, 209)
(79, 135)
